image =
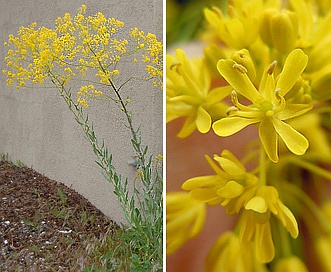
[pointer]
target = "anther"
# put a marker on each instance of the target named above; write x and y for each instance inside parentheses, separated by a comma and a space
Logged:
(234, 98)
(217, 11)
(240, 68)
(272, 67)
(174, 67)
(230, 110)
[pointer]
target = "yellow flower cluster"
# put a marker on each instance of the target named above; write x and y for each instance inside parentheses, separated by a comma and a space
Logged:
(85, 93)
(152, 54)
(34, 49)
(265, 64)
(77, 46)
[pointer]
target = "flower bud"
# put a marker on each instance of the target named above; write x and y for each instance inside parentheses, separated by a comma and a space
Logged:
(290, 264)
(279, 29)
(323, 252)
(265, 27)
(326, 209)
(324, 6)
(321, 84)
(284, 30)
(213, 53)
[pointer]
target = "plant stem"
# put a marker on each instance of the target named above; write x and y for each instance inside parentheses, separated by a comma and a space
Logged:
(323, 222)
(311, 167)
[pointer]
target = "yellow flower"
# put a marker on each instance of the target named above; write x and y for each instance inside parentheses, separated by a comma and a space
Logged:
(189, 94)
(271, 104)
(185, 219)
(228, 255)
(238, 30)
(232, 186)
(255, 224)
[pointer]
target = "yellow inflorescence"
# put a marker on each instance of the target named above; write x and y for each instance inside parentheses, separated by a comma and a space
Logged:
(85, 93)
(76, 46)
(152, 54)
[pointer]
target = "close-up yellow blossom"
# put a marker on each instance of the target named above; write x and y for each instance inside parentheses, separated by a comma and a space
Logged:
(232, 186)
(227, 254)
(255, 225)
(185, 218)
(269, 107)
(267, 194)
(190, 95)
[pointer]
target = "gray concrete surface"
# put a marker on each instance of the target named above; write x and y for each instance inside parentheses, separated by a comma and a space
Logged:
(37, 128)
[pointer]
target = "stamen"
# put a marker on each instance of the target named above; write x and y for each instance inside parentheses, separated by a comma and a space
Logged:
(272, 67)
(282, 102)
(230, 110)
(174, 67)
(234, 98)
(217, 11)
(240, 68)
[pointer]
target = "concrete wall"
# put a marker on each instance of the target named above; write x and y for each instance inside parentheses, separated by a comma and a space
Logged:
(38, 129)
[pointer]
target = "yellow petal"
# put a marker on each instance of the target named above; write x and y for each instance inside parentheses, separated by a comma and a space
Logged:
(188, 127)
(228, 155)
(243, 57)
(188, 99)
(269, 139)
(231, 125)
(288, 219)
(257, 204)
(293, 110)
(218, 94)
(230, 167)
(237, 79)
(247, 227)
(264, 246)
(202, 182)
(185, 219)
(214, 166)
(295, 141)
(203, 120)
(205, 195)
(295, 64)
(231, 190)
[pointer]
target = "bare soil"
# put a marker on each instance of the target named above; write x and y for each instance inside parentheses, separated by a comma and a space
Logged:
(44, 225)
